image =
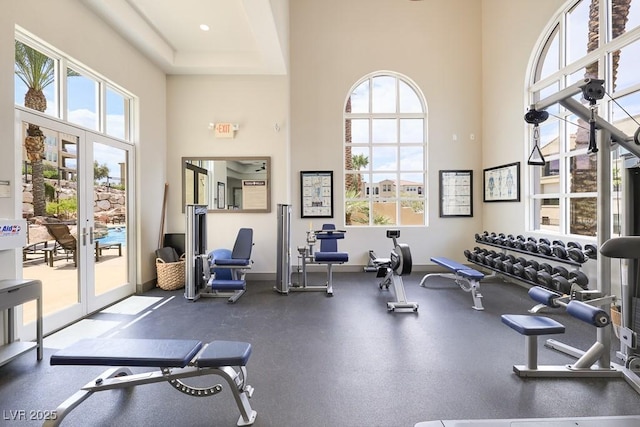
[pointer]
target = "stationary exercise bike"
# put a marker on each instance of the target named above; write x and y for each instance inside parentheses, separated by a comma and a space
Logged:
(392, 269)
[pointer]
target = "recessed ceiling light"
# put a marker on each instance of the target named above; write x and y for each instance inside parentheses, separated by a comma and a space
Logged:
(204, 27)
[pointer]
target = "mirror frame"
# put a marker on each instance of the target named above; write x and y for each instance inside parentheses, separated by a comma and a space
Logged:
(265, 159)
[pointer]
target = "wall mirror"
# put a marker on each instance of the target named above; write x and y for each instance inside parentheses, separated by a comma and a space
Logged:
(227, 184)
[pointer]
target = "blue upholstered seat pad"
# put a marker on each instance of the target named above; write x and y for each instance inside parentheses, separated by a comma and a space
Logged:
(532, 325)
(470, 273)
(328, 234)
(128, 352)
(232, 261)
(228, 285)
(460, 269)
(331, 256)
(224, 353)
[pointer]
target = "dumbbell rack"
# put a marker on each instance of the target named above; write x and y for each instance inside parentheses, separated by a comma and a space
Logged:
(506, 249)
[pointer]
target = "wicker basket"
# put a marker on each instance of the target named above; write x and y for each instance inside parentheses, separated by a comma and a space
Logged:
(170, 274)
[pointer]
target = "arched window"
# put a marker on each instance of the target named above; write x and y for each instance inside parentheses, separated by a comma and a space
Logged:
(587, 39)
(385, 149)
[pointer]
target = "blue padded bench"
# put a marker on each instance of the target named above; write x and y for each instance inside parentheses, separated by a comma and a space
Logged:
(176, 358)
(531, 327)
(460, 273)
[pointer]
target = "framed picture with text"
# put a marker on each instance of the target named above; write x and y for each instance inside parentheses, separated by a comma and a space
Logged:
(456, 193)
(502, 183)
(221, 196)
(316, 194)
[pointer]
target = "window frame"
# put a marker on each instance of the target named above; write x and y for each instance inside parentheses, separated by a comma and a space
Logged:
(61, 63)
(564, 77)
(372, 191)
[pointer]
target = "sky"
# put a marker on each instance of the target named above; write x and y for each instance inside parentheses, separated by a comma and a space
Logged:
(82, 110)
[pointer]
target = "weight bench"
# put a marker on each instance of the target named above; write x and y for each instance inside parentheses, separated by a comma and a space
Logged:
(533, 326)
(176, 358)
(467, 278)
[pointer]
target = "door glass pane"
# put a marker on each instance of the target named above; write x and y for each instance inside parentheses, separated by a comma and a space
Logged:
(50, 205)
(82, 95)
(110, 217)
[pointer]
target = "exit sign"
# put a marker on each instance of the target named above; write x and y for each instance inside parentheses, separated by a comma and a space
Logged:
(224, 130)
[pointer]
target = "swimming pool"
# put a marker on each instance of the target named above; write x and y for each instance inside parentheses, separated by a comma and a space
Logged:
(115, 235)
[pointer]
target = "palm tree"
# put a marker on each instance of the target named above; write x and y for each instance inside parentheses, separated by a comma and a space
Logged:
(359, 161)
(36, 71)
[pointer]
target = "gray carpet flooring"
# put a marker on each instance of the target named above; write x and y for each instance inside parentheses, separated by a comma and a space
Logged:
(335, 361)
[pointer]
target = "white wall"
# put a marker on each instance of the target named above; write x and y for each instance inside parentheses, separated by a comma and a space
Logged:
(333, 44)
(256, 104)
(510, 32)
(70, 27)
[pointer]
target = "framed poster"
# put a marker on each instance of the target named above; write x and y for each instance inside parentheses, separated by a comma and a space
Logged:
(316, 194)
(456, 193)
(221, 195)
(502, 183)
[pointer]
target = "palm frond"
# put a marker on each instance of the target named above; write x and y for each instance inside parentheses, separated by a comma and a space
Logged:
(35, 69)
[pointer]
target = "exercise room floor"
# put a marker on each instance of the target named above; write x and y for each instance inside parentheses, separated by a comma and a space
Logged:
(328, 361)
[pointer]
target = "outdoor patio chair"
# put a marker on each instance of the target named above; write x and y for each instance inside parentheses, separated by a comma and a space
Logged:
(68, 243)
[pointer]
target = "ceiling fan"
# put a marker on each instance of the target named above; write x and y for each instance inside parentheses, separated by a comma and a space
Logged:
(263, 167)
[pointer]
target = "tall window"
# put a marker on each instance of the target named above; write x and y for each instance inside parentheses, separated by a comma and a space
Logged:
(588, 39)
(385, 124)
(47, 81)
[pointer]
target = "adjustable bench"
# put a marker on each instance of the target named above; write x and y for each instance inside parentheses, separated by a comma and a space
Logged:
(461, 273)
(176, 358)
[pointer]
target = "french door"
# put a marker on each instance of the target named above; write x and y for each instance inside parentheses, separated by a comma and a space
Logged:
(77, 199)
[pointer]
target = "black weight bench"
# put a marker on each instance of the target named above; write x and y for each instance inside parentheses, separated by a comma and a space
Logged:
(177, 359)
(467, 278)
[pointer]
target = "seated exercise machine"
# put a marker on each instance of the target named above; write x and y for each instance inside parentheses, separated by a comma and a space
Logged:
(392, 269)
(176, 359)
(467, 278)
(327, 255)
(228, 268)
